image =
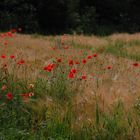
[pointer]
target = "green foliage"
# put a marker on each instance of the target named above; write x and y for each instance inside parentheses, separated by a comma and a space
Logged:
(119, 48)
(88, 20)
(61, 16)
(20, 121)
(16, 14)
(137, 106)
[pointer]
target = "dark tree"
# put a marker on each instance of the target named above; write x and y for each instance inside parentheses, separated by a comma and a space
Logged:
(67, 16)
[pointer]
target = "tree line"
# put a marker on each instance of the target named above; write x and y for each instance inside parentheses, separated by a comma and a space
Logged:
(68, 16)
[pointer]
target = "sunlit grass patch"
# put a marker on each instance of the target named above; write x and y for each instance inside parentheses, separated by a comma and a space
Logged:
(122, 49)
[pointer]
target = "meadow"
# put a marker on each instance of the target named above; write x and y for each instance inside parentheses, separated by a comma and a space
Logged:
(69, 87)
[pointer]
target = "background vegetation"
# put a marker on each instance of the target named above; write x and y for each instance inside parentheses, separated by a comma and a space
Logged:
(68, 16)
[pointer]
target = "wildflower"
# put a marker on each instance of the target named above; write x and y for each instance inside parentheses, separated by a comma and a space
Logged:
(109, 67)
(71, 75)
(70, 62)
(13, 30)
(89, 57)
(73, 71)
(5, 43)
(31, 94)
(10, 34)
(94, 55)
(135, 64)
(49, 67)
(3, 56)
(9, 96)
(84, 61)
(1, 36)
(25, 95)
(4, 87)
(59, 60)
(31, 85)
(12, 56)
(84, 77)
(20, 62)
(77, 62)
(54, 48)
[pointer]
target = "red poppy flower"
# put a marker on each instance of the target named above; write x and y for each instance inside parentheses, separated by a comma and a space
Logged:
(25, 95)
(84, 77)
(49, 67)
(3, 56)
(59, 60)
(5, 43)
(12, 56)
(89, 57)
(109, 67)
(10, 34)
(2, 35)
(77, 62)
(73, 71)
(54, 48)
(84, 61)
(71, 75)
(9, 96)
(70, 62)
(21, 62)
(13, 30)
(94, 55)
(135, 64)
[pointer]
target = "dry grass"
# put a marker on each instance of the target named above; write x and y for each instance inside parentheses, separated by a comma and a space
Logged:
(121, 84)
(93, 99)
(125, 37)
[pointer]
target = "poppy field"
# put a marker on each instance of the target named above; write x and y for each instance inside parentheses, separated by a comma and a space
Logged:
(69, 87)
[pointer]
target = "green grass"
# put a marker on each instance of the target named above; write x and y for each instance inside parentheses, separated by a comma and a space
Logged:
(81, 46)
(118, 48)
(21, 121)
(51, 114)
